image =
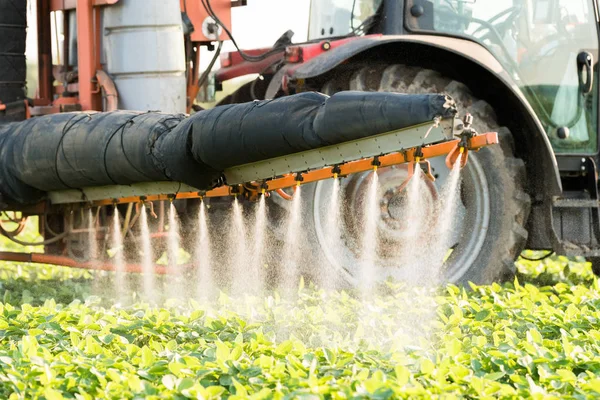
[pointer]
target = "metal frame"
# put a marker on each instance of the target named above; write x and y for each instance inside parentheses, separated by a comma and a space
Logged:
(89, 37)
(430, 147)
(341, 153)
(88, 57)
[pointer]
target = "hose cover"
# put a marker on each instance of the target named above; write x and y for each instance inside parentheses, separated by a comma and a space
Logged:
(77, 150)
(12, 189)
(237, 134)
(173, 154)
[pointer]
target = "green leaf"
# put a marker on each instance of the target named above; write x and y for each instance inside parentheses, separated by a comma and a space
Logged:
(494, 376)
(402, 375)
(240, 390)
(147, 357)
(237, 352)
(30, 346)
(427, 366)
(482, 315)
(533, 335)
(567, 375)
(330, 356)
(52, 394)
(285, 347)
(223, 352)
(176, 367)
(593, 385)
(453, 347)
(185, 383)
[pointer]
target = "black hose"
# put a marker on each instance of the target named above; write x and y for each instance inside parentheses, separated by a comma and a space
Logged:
(247, 57)
(211, 65)
(550, 253)
(42, 243)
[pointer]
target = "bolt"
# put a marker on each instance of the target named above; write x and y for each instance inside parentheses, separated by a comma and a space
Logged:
(417, 11)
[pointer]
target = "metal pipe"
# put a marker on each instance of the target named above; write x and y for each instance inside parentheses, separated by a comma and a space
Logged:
(44, 36)
(284, 195)
(41, 258)
(85, 52)
(127, 220)
(110, 91)
(393, 17)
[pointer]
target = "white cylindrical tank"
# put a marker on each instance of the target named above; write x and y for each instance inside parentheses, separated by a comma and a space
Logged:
(144, 54)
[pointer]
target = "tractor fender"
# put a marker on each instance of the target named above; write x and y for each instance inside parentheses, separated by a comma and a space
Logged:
(465, 61)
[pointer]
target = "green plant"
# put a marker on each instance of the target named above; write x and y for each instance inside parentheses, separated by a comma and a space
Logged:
(515, 340)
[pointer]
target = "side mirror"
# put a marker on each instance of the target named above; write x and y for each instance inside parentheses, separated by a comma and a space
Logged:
(585, 61)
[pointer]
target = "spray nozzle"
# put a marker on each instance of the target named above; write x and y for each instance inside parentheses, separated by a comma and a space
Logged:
(298, 178)
(376, 163)
(263, 188)
(418, 154)
(235, 190)
(171, 197)
(336, 170)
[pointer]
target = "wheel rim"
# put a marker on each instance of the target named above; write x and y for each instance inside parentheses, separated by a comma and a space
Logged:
(471, 221)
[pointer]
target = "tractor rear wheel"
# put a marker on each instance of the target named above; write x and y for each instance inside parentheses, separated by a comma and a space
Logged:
(493, 206)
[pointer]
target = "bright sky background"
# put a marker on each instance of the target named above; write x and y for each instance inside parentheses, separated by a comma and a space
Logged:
(262, 22)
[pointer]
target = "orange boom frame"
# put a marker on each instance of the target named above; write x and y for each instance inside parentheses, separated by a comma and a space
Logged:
(415, 155)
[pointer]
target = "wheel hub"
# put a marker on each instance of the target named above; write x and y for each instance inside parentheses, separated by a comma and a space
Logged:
(396, 224)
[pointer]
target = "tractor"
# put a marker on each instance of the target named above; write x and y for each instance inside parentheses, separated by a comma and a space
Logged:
(525, 69)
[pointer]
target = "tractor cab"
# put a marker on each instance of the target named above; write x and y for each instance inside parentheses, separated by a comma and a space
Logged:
(547, 47)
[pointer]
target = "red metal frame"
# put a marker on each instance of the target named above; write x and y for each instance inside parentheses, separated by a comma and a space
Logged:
(49, 98)
(45, 78)
(241, 67)
(61, 5)
(197, 14)
(306, 51)
(86, 56)
(41, 258)
(89, 52)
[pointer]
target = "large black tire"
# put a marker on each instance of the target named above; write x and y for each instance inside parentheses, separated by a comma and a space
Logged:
(13, 69)
(502, 237)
